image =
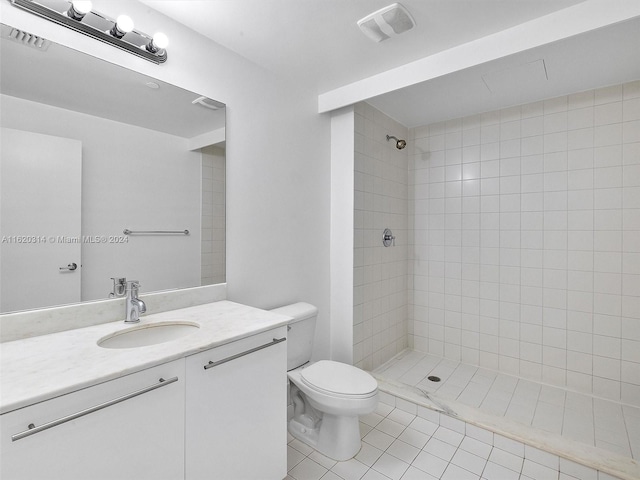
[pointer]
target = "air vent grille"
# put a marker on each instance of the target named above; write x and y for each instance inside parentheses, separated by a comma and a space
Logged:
(208, 103)
(28, 39)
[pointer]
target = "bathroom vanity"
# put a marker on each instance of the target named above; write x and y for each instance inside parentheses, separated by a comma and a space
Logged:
(194, 406)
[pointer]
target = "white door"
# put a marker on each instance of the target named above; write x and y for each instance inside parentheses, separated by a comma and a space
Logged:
(40, 189)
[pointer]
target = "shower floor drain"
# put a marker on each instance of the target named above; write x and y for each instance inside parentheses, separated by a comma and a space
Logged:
(433, 378)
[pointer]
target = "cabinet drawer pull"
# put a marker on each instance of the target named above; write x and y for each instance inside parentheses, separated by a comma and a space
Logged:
(238, 355)
(33, 429)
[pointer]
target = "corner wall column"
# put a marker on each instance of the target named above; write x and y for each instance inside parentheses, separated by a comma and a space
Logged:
(341, 255)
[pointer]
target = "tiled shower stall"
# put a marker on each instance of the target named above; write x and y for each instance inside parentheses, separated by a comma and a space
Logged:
(517, 254)
(517, 240)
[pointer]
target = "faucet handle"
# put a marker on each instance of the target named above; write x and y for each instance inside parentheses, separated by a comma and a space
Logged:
(119, 287)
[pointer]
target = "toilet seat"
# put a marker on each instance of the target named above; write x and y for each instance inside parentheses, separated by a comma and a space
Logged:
(339, 379)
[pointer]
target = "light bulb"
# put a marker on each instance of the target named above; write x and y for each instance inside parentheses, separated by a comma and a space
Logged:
(160, 40)
(158, 43)
(123, 25)
(78, 9)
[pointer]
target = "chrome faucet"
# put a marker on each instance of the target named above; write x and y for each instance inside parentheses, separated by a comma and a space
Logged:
(134, 305)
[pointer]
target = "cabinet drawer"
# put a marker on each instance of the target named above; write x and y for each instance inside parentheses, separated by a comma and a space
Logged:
(245, 346)
(131, 427)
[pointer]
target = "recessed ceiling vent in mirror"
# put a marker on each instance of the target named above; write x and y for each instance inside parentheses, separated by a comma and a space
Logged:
(208, 103)
(27, 39)
(386, 22)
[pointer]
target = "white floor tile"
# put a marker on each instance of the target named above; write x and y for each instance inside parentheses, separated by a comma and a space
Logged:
(539, 472)
(448, 436)
(468, 461)
(403, 451)
(294, 457)
(326, 462)
(476, 447)
(521, 413)
(440, 449)
(307, 469)
(364, 429)
(414, 473)
(508, 445)
(425, 426)
(330, 476)
(374, 475)
(430, 463)
(414, 438)
(494, 471)
(368, 454)
(383, 409)
(506, 459)
(378, 439)
(453, 472)
(401, 417)
(300, 446)
(350, 470)
(390, 427)
(371, 419)
(391, 466)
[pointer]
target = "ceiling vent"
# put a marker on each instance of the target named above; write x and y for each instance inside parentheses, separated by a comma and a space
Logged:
(29, 39)
(386, 22)
(208, 103)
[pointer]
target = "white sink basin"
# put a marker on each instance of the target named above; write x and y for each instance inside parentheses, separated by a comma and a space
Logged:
(146, 335)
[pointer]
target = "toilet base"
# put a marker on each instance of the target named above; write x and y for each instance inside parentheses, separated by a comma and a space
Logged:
(335, 436)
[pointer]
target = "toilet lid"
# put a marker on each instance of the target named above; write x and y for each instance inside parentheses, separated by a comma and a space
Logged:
(338, 378)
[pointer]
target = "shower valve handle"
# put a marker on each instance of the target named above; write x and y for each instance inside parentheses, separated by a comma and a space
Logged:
(387, 238)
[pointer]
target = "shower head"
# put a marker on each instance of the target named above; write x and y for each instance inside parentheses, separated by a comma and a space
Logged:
(400, 144)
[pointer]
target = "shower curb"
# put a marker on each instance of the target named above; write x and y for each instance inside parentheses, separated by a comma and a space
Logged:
(457, 416)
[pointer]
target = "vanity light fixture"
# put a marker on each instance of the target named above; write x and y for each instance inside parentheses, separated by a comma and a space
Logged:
(80, 16)
(78, 9)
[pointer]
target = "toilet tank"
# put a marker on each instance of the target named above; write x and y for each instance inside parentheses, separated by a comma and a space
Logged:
(300, 332)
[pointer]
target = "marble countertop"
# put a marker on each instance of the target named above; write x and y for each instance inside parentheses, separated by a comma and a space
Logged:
(44, 367)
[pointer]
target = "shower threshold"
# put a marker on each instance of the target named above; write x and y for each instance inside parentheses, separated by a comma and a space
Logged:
(598, 433)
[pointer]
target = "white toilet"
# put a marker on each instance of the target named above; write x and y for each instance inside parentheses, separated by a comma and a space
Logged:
(328, 396)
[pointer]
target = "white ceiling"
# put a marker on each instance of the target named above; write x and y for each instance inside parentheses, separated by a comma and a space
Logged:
(605, 56)
(316, 43)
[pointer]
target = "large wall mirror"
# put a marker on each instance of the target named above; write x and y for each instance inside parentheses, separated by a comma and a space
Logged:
(88, 150)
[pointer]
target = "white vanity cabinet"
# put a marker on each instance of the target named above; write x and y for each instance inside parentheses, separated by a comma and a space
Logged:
(235, 414)
(128, 428)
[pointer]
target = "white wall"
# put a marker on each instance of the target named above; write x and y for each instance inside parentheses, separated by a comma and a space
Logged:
(342, 161)
(527, 241)
(277, 158)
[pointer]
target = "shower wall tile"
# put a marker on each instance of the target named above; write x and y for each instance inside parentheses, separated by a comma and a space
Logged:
(381, 274)
(526, 241)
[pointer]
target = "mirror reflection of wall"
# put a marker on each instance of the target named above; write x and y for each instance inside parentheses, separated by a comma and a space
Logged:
(147, 164)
